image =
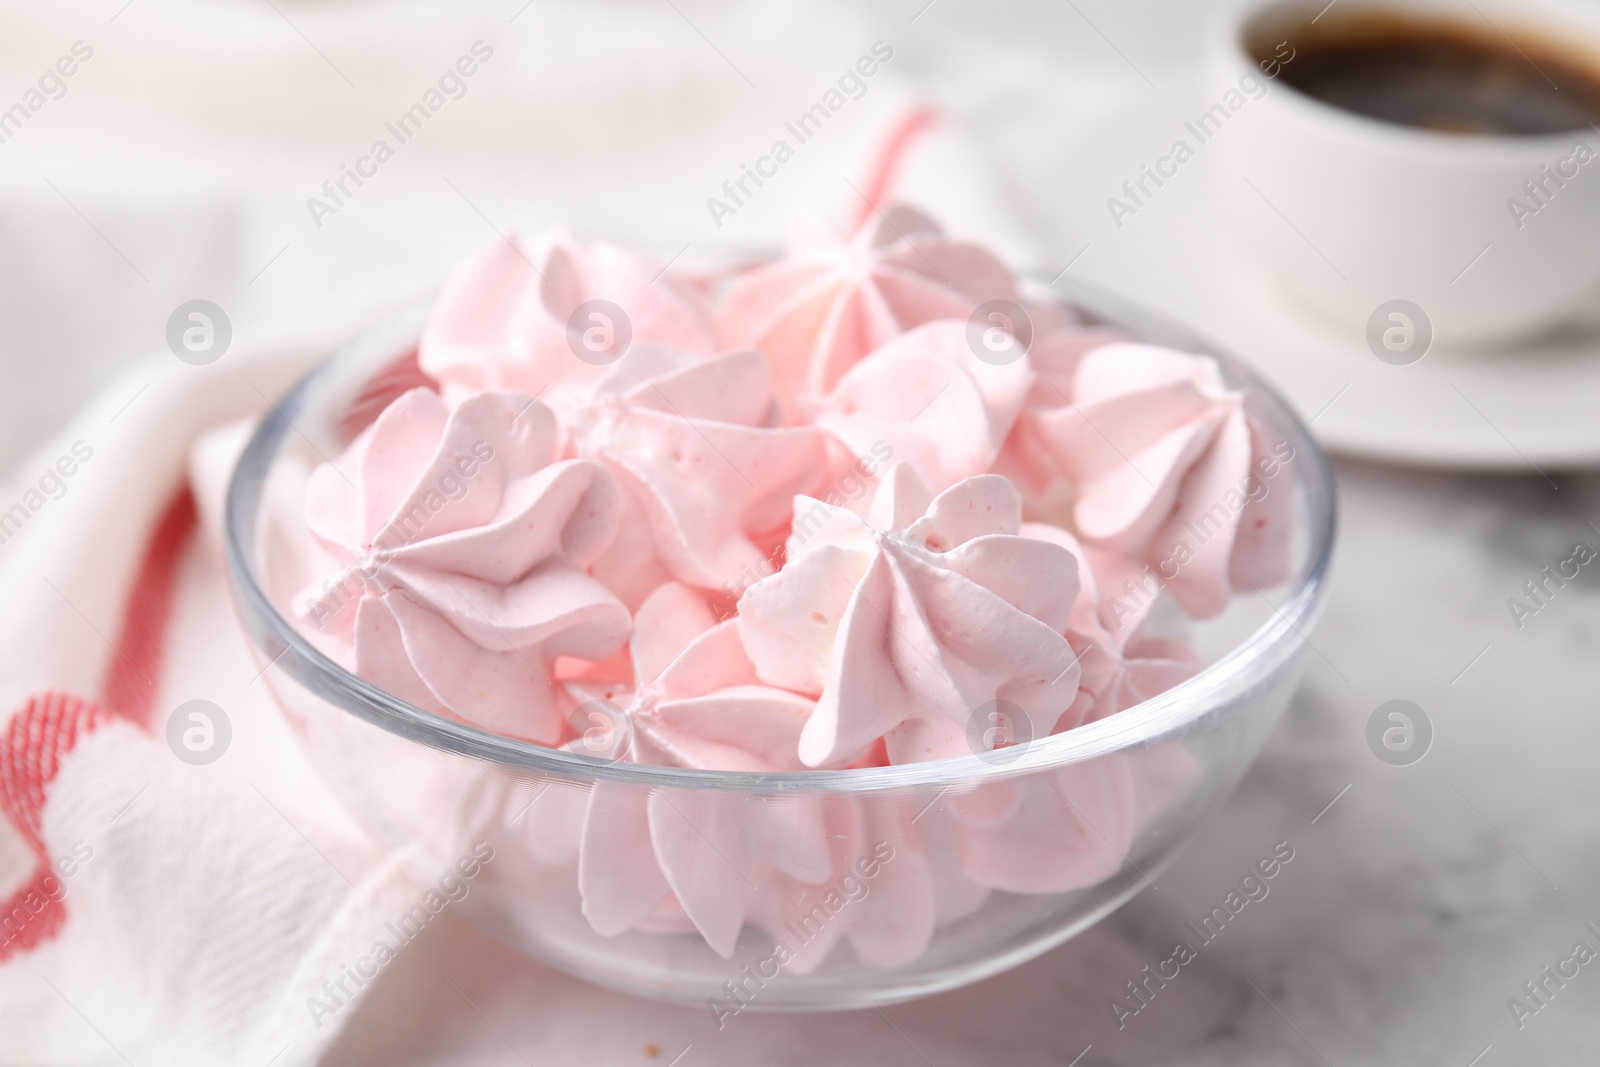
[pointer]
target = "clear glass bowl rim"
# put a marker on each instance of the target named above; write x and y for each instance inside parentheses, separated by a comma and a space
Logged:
(1247, 665)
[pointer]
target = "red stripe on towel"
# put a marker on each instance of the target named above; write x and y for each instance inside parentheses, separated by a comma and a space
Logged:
(39, 735)
(135, 674)
(50, 724)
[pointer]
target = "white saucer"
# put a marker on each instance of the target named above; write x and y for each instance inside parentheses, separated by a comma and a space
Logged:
(1535, 407)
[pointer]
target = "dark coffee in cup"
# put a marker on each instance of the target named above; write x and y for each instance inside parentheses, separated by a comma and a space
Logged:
(1441, 74)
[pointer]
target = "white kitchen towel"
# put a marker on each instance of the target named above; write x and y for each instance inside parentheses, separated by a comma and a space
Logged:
(158, 911)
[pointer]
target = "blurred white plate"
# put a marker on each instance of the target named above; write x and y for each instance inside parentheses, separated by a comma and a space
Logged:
(1534, 407)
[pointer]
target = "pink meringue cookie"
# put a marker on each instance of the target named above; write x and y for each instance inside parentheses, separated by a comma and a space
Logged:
(1072, 827)
(463, 550)
(1051, 831)
(785, 864)
(1055, 355)
(1025, 458)
(701, 468)
(880, 893)
(715, 853)
(931, 401)
(722, 852)
(955, 896)
(691, 697)
(1170, 469)
(820, 310)
(1122, 665)
(502, 320)
(808, 869)
(709, 710)
(905, 624)
(1063, 829)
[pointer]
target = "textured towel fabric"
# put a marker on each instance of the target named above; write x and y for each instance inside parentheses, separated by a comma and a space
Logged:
(157, 911)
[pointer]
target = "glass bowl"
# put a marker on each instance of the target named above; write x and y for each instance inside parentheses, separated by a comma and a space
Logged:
(827, 889)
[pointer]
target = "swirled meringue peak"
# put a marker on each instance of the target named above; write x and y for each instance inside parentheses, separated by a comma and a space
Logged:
(904, 624)
(1169, 468)
(1026, 458)
(1122, 665)
(463, 550)
(700, 465)
(706, 708)
(935, 404)
(820, 310)
(722, 860)
(698, 703)
(510, 316)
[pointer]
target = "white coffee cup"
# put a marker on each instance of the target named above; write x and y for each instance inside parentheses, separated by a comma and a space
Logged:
(1355, 214)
